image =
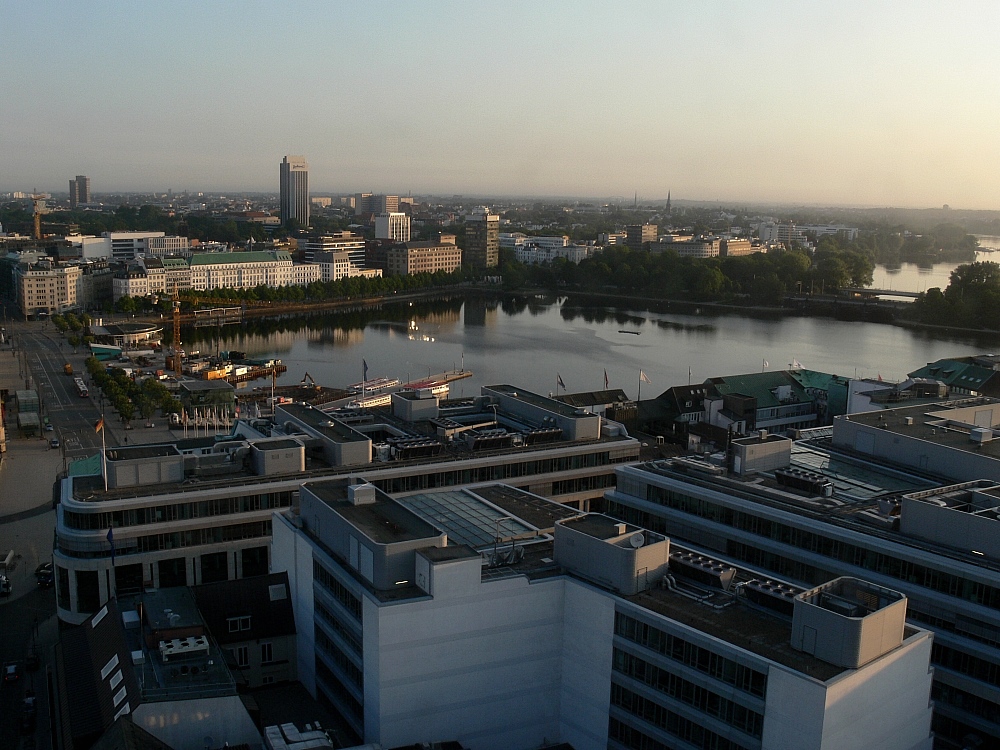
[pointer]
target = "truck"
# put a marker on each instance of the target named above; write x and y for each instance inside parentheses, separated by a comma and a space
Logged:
(68, 369)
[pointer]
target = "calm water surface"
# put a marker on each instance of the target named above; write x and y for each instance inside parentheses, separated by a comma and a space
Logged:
(529, 342)
(913, 278)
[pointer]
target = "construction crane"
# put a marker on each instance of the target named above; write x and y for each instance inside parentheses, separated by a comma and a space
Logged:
(38, 208)
(177, 332)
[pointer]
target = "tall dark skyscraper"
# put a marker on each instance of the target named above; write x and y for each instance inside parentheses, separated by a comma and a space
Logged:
(79, 190)
(482, 240)
(295, 190)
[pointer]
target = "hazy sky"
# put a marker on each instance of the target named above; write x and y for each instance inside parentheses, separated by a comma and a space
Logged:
(883, 103)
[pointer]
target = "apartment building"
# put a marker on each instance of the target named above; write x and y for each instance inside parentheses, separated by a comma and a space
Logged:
(422, 257)
(46, 287)
(394, 226)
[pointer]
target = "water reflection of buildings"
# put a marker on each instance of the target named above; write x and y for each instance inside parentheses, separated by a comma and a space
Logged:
(479, 312)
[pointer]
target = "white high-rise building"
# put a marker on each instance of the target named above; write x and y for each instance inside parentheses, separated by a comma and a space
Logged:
(392, 226)
(295, 190)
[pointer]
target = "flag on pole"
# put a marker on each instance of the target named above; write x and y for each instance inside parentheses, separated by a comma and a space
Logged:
(765, 363)
(605, 378)
(99, 425)
(559, 380)
(643, 378)
(796, 364)
(880, 377)
(365, 364)
(111, 541)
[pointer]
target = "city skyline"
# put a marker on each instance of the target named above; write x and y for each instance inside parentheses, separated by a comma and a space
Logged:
(769, 103)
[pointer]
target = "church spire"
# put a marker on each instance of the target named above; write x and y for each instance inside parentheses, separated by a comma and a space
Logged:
(668, 203)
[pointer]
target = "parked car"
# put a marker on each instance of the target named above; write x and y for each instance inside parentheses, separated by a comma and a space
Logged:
(54, 443)
(43, 574)
(4, 586)
(11, 672)
(49, 427)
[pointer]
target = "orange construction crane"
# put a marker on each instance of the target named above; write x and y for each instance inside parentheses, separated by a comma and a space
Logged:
(38, 206)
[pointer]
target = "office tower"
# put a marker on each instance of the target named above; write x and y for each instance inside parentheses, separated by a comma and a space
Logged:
(482, 240)
(392, 226)
(79, 190)
(295, 190)
(386, 204)
(638, 235)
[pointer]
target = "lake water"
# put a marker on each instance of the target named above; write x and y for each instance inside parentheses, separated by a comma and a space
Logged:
(913, 278)
(529, 342)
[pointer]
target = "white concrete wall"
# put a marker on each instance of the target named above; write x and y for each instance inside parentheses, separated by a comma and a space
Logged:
(484, 669)
(584, 698)
(886, 704)
(793, 712)
(291, 552)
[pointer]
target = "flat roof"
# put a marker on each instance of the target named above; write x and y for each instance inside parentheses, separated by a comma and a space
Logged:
(542, 402)
(141, 452)
(927, 418)
(385, 521)
(599, 526)
(276, 445)
(760, 633)
(466, 518)
(323, 423)
(451, 552)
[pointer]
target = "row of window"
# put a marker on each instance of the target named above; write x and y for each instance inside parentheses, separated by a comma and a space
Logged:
(326, 646)
(220, 506)
(964, 663)
(817, 543)
(706, 701)
(345, 597)
(175, 540)
(339, 628)
(964, 701)
(499, 472)
(673, 647)
(663, 719)
(339, 696)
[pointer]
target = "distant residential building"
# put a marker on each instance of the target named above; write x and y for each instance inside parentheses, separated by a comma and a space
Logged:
(44, 286)
(130, 245)
(294, 185)
(79, 190)
(695, 247)
(423, 257)
(849, 233)
(161, 246)
(445, 239)
(533, 254)
(333, 264)
(247, 270)
(352, 244)
(638, 236)
(482, 240)
(733, 248)
(514, 240)
(611, 238)
(322, 202)
(392, 226)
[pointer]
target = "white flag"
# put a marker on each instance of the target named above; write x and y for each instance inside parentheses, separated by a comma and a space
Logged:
(643, 378)
(765, 363)
(796, 364)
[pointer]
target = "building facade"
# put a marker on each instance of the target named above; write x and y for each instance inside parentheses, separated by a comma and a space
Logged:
(611, 636)
(79, 190)
(392, 226)
(423, 257)
(482, 240)
(638, 236)
(294, 190)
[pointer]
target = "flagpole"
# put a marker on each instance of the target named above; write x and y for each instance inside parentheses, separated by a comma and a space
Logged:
(639, 397)
(104, 457)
